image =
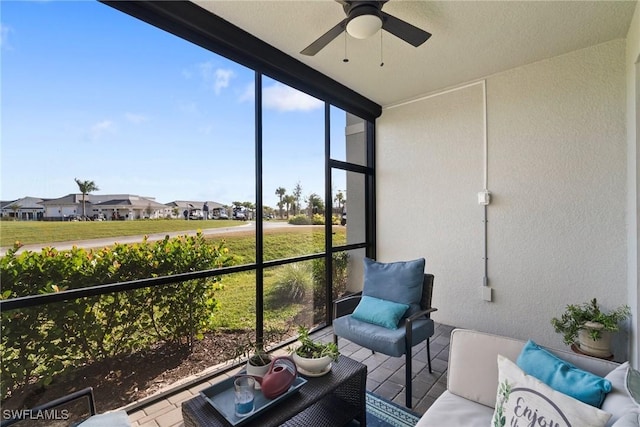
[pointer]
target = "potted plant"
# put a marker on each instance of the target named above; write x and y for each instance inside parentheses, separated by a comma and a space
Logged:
(313, 358)
(258, 359)
(591, 328)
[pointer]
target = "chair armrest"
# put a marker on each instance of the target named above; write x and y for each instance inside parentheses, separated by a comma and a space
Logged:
(346, 305)
(421, 313)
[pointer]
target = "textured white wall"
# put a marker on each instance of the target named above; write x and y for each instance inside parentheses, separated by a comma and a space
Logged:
(633, 176)
(557, 172)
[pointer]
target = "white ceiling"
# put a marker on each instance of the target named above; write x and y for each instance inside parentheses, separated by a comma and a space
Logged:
(471, 39)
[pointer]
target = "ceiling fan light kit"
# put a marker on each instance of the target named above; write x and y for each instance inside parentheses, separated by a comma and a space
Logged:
(364, 19)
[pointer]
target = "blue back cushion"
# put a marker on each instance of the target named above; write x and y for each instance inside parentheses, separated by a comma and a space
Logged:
(380, 312)
(562, 376)
(399, 282)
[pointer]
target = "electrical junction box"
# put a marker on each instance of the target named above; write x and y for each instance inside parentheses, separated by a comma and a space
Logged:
(484, 197)
(487, 294)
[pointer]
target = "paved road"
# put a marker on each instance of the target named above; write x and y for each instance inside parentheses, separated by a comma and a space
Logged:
(108, 241)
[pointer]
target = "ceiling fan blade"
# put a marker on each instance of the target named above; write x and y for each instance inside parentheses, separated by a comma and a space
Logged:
(407, 32)
(325, 39)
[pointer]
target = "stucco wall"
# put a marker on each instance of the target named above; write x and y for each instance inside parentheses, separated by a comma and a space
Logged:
(632, 64)
(557, 172)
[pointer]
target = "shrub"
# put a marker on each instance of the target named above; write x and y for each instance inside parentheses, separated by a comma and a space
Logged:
(339, 267)
(300, 220)
(317, 219)
(41, 342)
(292, 283)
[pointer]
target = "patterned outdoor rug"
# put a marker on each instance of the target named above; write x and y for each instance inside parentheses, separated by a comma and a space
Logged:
(383, 413)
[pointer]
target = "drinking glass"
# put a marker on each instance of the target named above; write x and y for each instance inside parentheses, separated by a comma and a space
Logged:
(243, 387)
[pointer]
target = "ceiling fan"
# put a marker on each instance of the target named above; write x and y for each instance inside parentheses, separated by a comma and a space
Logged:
(364, 19)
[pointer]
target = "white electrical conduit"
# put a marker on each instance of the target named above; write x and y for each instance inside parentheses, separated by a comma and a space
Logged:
(485, 280)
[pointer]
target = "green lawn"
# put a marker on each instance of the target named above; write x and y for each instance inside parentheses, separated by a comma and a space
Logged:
(237, 297)
(30, 232)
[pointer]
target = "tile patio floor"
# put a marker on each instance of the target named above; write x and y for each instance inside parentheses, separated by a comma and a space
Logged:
(385, 378)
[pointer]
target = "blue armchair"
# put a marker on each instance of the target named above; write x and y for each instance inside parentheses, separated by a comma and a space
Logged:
(396, 287)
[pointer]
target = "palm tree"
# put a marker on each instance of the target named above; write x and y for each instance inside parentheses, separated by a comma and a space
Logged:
(297, 195)
(85, 187)
(340, 199)
(280, 192)
(289, 201)
(315, 204)
(15, 207)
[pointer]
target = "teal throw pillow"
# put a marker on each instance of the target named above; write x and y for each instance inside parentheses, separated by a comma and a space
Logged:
(562, 375)
(395, 281)
(379, 312)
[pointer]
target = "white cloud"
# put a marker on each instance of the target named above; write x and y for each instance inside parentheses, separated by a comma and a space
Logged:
(282, 98)
(189, 107)
(101, 128)
(285, 98)
(216, 78)
(223, 78)
(206, 70)
(249, 93)
(5, 31)
(136, 118)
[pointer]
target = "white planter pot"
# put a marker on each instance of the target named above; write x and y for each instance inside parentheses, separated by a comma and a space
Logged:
(312, 367)
(257, 371)
(599, 348)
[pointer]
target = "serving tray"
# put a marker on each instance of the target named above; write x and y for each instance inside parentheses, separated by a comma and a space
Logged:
(221, 395)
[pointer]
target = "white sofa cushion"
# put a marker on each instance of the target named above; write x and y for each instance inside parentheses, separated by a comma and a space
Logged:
(618, 402)
(472, 378)
(629, 420)
(524, 400)
(456, 411)
(473, 367)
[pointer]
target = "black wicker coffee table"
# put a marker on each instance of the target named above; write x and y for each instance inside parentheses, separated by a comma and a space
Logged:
(328, 401)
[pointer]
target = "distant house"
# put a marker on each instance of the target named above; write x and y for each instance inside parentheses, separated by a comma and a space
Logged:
(105, 206)
(66, 207)
(132, 207)
(26, 208)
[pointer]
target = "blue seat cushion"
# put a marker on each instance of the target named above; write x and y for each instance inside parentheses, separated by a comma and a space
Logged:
(399, 282)
(377, 338)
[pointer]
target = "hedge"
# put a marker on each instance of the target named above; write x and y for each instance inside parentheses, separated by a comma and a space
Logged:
(41, 342)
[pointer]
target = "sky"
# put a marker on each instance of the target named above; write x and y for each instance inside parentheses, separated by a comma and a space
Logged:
(89, 92)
